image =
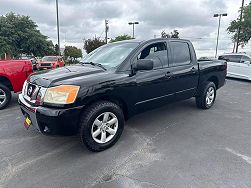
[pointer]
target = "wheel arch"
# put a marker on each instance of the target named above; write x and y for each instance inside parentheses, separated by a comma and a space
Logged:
(6, 82)
(215, 80)
(112, 98)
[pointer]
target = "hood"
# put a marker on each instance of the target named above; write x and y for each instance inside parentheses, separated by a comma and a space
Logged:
(63, 75)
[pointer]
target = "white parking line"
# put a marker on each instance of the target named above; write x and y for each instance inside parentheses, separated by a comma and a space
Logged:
(244, 157)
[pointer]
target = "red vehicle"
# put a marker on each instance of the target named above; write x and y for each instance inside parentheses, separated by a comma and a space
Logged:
(13, 73)
(51, 62)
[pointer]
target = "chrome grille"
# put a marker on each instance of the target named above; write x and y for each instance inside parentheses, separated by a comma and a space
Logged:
(30, 92)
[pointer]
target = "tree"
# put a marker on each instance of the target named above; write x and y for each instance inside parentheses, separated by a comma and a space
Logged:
(174, 34)
(121, 37)
(56, 49)
(19, 35)
(72, 52)
(92, 44)
(244, 25)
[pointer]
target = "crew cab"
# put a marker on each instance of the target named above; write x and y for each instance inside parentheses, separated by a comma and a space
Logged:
(13, 73)
(113, 83)
(51, 62)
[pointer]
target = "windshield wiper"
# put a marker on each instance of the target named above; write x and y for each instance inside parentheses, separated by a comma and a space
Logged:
(95, 64)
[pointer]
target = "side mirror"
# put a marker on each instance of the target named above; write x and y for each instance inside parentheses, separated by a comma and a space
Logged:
(247, 62)
(143, 64)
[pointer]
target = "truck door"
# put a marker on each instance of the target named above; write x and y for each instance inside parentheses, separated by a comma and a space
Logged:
(245, 67)
(152, 90)
(184, 69)
(234, 67)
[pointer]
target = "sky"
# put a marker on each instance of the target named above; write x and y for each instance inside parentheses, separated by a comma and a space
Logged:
(83, 19)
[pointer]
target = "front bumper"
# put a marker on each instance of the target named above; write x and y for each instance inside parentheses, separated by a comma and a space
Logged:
(51, 120)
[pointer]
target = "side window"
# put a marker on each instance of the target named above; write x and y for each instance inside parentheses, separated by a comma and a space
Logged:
(180, 52)
(235, 58)
(156, 52)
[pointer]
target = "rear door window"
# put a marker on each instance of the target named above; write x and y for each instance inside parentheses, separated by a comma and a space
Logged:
(180, 53)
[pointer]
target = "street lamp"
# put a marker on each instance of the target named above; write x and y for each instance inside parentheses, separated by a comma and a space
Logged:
(217, 41)
(58, 28)
(133, 23)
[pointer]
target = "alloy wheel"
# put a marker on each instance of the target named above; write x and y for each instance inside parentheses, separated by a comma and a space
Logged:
(2, 96)
(210, 96)
(104, 128)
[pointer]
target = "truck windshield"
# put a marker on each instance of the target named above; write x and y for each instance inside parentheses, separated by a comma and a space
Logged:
(49, 58)
(110, 55)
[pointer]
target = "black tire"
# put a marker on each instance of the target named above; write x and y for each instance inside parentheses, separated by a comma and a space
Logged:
(7, 93)
(89, 116)
(201, 100)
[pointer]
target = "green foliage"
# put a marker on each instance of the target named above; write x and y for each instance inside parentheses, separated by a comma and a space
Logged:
(19, 35)
(92, 44)
(244, 25)
(72, 53)
(174, 34)
(56, 49)
(121, 37)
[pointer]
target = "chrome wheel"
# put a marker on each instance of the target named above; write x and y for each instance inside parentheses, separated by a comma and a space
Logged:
(105, 127)
(210, 96)
(2, 96)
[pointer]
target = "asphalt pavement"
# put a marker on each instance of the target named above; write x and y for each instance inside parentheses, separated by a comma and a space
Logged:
(177, 145)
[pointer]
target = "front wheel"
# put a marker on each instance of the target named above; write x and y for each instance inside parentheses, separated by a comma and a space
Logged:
(5, 96)
(101, 125)
(207, 97)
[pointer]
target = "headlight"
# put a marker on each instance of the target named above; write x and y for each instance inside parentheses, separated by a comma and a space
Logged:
(64, 94)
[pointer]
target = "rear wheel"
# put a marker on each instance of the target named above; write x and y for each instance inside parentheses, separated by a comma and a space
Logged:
(207, 97)
(5, 96)
(101, 125)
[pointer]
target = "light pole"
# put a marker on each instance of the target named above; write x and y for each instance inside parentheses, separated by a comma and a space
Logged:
(58, 28)
(106, 30)
(218, 33)
(133, 23)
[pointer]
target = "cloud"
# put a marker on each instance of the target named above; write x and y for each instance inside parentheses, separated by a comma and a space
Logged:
(82, 19)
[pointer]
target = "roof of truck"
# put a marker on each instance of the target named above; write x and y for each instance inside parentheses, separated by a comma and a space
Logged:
(141, 41)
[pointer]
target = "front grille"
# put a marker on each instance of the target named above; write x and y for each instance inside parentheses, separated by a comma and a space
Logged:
(46, 64)
(31, 92)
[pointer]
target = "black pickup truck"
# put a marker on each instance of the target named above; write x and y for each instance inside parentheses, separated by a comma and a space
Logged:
(113, 83)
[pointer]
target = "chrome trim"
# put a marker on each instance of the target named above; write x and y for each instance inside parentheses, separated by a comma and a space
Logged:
(148, 100)
(37, 91)
(185, 90)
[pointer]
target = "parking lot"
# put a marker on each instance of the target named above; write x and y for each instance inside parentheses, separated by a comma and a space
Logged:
(177, 145)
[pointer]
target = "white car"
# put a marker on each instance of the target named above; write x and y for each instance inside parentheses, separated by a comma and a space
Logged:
(238, 65)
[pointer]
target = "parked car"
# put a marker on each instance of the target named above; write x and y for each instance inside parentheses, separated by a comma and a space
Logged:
(239, 65)
(13, 73)
(115, 82)
(33, 59)
(51, 62)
